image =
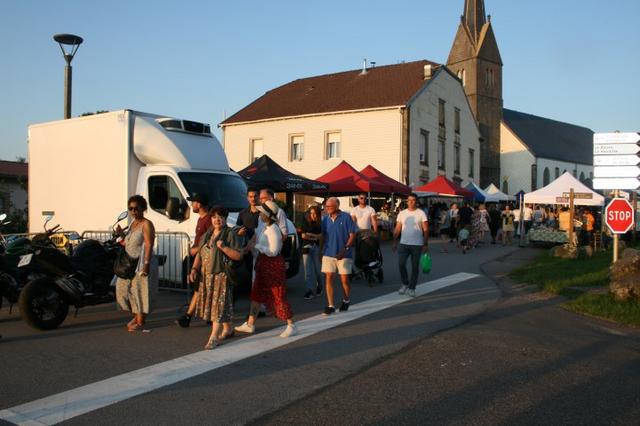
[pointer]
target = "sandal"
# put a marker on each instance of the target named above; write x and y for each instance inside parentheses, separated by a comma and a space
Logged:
(135, 327)
(131, 323)
(212, 343)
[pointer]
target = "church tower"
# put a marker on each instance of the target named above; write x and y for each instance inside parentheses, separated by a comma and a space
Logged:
(475, 58)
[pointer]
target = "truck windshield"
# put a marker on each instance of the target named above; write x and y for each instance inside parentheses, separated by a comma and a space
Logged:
(226, 190)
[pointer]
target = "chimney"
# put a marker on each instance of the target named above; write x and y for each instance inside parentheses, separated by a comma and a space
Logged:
(428, 71)
(364, 66)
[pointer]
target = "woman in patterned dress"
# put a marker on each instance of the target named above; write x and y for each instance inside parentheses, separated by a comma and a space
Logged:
(270, 283)
(218, 248)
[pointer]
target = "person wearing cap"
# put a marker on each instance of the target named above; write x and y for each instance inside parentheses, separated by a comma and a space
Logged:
(200, 206)
(270, 283)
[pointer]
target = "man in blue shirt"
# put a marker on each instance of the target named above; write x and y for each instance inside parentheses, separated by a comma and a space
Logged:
(338, 236)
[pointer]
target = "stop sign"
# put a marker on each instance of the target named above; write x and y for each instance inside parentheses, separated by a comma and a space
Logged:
(619, 216)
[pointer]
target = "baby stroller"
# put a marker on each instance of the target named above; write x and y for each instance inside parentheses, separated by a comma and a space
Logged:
(368, 258)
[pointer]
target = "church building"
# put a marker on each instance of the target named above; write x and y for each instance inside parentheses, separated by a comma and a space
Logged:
(413, 121)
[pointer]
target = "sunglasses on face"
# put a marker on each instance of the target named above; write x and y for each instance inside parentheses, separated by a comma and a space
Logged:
(133, 208)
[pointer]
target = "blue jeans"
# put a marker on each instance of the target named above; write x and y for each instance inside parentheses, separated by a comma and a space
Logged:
(311, 262)
(404, 252)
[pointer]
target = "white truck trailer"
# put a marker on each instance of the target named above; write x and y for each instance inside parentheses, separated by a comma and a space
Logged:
(84, 169)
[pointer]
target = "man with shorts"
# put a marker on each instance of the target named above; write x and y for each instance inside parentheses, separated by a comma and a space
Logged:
(338, 236)
(200, 206)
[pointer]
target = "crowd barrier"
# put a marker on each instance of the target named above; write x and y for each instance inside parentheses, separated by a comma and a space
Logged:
(174, 246)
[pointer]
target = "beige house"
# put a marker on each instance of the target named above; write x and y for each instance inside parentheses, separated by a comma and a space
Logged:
(13, 186)
(412, 121)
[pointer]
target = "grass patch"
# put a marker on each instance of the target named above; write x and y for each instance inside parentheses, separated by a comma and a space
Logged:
(605, 306)
(555, 275)
(572, 278)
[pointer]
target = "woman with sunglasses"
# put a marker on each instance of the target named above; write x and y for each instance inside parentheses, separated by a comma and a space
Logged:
(137, 295)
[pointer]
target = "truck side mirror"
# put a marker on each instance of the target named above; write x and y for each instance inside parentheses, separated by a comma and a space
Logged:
(172, 209)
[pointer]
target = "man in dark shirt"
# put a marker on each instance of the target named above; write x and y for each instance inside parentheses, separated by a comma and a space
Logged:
(248, 218)
(200, 206)
(464, 215)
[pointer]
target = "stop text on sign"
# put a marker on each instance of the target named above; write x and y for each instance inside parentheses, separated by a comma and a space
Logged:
(618, 215)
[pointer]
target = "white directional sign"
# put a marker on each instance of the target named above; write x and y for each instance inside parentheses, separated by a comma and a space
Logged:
(615, 149)
(616, 171)
(616, 160)
(616, 183)
(615, 138)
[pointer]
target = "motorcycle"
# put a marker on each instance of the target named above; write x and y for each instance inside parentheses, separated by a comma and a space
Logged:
(12, 277)
(82, 279)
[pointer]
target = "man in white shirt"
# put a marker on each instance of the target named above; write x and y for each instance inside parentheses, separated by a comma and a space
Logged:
(413, 229)
(527, 218)
(364, 216)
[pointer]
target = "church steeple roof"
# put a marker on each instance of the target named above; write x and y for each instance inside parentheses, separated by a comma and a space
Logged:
(474, 17)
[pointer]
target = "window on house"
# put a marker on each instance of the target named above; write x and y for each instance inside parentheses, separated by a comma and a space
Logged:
(546, 176)
(472, 162)
(456, 121)
(456, 159)
(333, 144)
(424, 147)
(581, 176)
(557, 172)
(297, 147)
(441, 119)
(534, 177)
(256, 148)
(441, 154)
(575, 173)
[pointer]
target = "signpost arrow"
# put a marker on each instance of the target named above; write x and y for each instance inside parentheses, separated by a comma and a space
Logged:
(616, 171)
(616, 160)
(616, 183)
(617, 138)
(615, 149)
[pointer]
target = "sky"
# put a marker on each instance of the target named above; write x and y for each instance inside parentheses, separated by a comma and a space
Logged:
(571, 60)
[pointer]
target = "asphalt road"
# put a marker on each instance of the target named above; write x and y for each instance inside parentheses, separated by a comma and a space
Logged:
(525, 361)
(459, 355)
(94, 346)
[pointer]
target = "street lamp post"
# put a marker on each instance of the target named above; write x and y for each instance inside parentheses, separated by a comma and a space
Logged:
(71, 43)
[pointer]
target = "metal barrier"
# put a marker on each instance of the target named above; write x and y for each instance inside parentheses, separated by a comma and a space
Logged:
(174, 246)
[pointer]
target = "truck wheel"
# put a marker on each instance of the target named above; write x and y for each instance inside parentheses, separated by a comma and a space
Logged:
(42, 305)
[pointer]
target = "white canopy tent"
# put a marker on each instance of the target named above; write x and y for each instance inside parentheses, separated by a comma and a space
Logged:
(557, 192)
(494, 195)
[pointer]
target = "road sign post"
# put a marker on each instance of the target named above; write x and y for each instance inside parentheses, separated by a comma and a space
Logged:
(619, 217)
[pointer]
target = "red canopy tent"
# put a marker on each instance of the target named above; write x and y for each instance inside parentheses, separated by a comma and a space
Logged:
(393, 185)
(344, 179)
(443, 187)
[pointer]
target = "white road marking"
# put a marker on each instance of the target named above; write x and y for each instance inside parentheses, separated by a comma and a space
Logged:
(75, 402)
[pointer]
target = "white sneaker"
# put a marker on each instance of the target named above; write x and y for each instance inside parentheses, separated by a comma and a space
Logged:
(411, 293)
(245, 328)
(402, 289)
(291, 330)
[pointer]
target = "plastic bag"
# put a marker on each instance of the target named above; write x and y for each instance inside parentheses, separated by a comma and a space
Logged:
(425, 262)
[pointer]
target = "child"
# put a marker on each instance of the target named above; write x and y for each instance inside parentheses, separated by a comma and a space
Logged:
(463, 238)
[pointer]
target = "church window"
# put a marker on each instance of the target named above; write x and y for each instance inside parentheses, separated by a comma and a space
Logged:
(472, 163)
(505, 186)
(534, 177)
(546, 176)
(489, 81)
(456, 158)
(557, 172)
(581, 176)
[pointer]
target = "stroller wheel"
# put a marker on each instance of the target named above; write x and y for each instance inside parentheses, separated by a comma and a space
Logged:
(370, 278)
(380, 275)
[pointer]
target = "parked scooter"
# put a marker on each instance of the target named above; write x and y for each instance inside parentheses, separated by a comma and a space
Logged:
(83, 279)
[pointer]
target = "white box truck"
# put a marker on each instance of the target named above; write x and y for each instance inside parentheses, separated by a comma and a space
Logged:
(84, 169)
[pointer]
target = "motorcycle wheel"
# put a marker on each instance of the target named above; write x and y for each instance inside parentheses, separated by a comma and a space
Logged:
(42, 305)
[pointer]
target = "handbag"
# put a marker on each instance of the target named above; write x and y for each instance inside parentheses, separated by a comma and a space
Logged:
(125, 266)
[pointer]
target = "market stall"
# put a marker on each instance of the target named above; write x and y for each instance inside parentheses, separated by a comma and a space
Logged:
(494, 195)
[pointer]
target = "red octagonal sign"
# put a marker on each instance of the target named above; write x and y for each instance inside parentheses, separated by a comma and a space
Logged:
(619, 216)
